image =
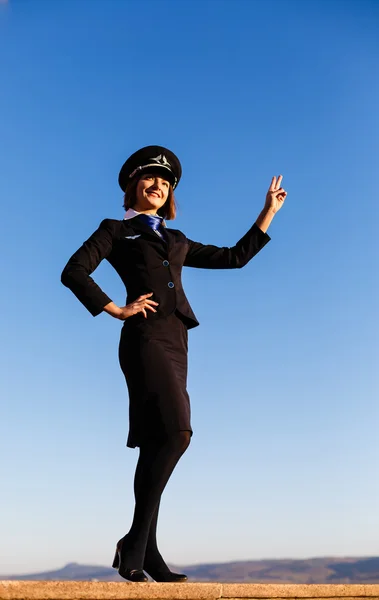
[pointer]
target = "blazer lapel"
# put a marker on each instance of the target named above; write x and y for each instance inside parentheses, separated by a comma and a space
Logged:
(139, 225)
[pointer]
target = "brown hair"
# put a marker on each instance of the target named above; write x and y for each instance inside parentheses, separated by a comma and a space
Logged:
(167, 211)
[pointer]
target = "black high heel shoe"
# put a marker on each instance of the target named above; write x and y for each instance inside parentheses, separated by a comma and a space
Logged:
(155, 566)
(168, 577)
(136, 575)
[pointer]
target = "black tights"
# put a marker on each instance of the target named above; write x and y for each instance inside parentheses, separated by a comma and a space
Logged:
(155, 465)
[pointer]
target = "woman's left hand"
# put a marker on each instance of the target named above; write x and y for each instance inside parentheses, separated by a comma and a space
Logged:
(276, 195)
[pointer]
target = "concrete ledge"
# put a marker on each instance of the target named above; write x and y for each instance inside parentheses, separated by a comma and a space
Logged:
(90, 590)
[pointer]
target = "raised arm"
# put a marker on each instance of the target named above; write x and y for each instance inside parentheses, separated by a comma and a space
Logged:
(207, 256)
(76, 274)
(214, 257)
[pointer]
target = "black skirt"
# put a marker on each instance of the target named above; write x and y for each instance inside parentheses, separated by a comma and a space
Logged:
(153, 356)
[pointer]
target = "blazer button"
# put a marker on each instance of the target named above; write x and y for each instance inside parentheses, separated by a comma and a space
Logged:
(165, 263)
(171, 284)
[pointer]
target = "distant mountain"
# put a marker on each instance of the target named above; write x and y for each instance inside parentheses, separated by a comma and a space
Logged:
(313, 570)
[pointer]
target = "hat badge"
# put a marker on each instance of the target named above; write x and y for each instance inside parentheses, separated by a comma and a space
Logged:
(161, 160)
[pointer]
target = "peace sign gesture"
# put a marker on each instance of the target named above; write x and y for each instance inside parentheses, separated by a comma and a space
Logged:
(276, 195)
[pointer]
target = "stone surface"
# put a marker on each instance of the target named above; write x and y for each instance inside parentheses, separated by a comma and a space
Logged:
(290, 590)
(91, 590)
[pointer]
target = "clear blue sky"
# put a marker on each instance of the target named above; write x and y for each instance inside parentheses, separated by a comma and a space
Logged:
(283, 368)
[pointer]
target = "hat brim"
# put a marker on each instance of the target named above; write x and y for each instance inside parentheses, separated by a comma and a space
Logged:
(164, 172)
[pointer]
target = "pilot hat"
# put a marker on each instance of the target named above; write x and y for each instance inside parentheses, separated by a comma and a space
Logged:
(154, 159)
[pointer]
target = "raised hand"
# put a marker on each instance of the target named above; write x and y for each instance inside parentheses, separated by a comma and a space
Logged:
(276, 195)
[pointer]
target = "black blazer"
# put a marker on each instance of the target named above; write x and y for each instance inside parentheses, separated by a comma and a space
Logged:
(146, 263)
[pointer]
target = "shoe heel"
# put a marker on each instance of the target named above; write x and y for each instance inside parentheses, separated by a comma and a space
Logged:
(116, 560)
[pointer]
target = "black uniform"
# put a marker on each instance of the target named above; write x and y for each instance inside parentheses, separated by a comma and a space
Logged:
(153, 351)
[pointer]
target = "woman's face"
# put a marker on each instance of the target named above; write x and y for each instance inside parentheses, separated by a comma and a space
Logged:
(151, 193)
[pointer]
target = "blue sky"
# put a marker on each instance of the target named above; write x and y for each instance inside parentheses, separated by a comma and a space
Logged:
(283, 368)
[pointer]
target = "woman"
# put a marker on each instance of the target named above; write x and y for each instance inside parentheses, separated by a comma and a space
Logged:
(149, 258)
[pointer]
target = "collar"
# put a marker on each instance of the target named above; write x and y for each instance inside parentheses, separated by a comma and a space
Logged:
(131, 213)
